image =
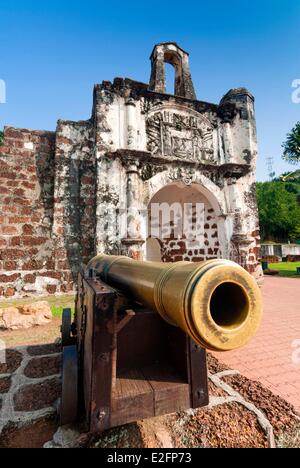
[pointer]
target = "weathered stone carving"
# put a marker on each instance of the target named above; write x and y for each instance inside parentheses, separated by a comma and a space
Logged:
(130, 136)
(173, 134)
(147, 105)
(227, 112)
(185, 175)
(147, 171)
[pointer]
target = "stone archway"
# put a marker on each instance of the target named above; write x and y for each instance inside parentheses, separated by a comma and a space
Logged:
(170, 211)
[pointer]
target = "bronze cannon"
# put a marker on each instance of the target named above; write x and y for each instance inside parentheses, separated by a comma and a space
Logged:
(217, 303)
(138, 343)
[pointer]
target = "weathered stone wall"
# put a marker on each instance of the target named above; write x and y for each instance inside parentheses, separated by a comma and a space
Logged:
(47, 203)
(180, 248)
(88, 187)
(74, 198)
(149, 140)
(26, 205)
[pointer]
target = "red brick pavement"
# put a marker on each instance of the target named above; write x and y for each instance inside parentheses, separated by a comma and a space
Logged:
(269, 357)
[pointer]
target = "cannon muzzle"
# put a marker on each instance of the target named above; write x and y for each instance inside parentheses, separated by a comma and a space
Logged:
(217, 303)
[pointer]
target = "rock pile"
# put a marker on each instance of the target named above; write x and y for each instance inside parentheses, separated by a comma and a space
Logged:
(25, 316)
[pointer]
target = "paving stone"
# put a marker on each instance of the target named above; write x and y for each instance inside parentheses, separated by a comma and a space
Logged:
(226, 426)
(5, 384)
(31, 435)
(35, 397)
(13, 362)
(214, 365)
(269, 357)
(65, 437)
(43, 367)
(214, 391)
(43, 350)
(279, 412)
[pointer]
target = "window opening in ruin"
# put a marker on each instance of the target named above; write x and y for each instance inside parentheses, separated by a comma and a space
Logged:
(170, 78)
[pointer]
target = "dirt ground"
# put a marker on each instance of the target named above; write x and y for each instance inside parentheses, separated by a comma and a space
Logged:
(37, 335)
(34, 336)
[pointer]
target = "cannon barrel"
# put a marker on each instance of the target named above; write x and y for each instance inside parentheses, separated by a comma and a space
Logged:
(216, 302)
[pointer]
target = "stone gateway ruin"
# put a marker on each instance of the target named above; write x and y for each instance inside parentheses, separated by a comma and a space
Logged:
(129, 181)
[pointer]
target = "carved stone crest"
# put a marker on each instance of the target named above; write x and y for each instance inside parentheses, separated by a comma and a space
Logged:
(185, 175)
(184, 136)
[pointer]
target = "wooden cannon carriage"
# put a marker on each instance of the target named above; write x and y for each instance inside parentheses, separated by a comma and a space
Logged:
(123, 361)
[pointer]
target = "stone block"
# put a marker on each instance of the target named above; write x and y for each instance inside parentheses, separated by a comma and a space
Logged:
(35, 397)
(5, 384)
(41, 367)
(26, 316)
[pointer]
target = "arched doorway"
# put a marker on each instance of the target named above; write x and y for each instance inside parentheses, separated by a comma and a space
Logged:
(183, 224)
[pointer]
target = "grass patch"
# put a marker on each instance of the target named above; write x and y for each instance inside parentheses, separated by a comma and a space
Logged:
(57, 303)
(286, 269)
(57, 311)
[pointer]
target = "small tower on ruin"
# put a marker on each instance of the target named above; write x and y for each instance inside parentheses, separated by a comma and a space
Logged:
(170, 52)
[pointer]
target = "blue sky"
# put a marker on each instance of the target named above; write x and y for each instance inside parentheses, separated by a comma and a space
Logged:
(53, 52)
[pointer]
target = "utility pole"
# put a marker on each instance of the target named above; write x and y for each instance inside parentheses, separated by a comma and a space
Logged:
(271, 172)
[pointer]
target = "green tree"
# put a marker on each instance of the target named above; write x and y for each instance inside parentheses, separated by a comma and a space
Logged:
(291, 182)
(279, 211)
(291, 147)
(1, 136)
